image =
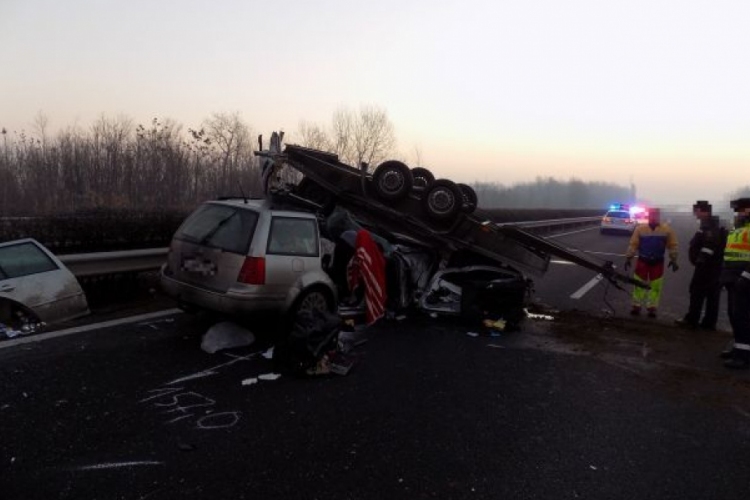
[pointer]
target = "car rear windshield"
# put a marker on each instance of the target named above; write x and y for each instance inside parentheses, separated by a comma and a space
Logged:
(619, 215)
(220, 226)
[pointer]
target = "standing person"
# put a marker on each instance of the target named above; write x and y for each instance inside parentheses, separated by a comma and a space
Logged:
(650, 241)
(735, 276)
(706, 253)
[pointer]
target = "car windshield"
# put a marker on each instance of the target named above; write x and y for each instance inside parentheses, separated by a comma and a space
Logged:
(219, 226)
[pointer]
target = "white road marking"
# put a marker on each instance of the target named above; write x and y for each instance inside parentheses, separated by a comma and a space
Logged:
(588, 286)
(116, 465)
(88, 328)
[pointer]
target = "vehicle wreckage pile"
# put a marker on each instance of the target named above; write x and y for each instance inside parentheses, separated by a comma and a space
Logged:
(399, 240)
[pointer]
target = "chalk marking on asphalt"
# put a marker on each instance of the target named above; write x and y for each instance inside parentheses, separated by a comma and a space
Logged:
(117, 465)
(211, 371)
(587, 287)
(88, 328)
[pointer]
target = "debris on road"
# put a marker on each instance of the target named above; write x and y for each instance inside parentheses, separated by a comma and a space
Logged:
(226, 335)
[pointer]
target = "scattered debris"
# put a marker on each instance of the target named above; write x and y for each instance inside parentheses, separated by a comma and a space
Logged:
(472, 334)
(495, 324)
(250, 381)
(538, 316)
(496, 346)
(268, 354)
(269, 376)
(226, 335)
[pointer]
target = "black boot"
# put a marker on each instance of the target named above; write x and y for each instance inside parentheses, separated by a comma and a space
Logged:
(685, 323)
(740, 360)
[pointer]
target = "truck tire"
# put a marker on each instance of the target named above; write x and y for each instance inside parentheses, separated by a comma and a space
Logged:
(423, 178)
(470, 198)
(442, 200)
(392, 180)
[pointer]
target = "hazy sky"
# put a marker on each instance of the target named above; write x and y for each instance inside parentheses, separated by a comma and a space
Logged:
(657, 92)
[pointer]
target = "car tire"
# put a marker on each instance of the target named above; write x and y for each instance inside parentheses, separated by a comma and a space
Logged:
(423, 178)
(392, 180)
(443, 200)
(470, 198)
(315, 297)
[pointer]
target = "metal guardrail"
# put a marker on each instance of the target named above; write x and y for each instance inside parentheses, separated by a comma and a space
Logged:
(85, 265)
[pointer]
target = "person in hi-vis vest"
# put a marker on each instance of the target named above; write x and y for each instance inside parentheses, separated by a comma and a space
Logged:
(650, 241)
(735, 276)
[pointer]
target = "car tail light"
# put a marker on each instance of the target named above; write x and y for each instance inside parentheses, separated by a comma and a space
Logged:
(253, 271)
(606, 219)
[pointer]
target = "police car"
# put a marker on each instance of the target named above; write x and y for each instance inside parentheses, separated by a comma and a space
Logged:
(618, 219)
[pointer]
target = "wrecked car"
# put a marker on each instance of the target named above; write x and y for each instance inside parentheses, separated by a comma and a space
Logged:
(36, 288)
(243, 257)
(469, 264)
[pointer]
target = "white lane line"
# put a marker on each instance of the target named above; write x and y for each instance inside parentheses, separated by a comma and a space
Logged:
(117, 465)
(88, 328)
(558, 235)
(588, 286)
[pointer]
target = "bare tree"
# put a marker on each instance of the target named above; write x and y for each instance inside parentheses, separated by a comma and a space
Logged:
(232, 139)
(374, 138)
(342, 132)
(312, 135)
(366, 136)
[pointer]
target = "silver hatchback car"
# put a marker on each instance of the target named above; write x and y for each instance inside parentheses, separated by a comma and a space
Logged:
(242, 257)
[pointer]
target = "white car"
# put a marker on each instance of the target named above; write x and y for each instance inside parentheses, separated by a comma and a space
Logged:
(36, 288)
(618, 221)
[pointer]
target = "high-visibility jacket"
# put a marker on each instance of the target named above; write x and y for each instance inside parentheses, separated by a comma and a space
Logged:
(651, 244)
(737, 248)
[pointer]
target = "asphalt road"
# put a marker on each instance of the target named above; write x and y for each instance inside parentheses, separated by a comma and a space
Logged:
(594, 406)
(563, 279)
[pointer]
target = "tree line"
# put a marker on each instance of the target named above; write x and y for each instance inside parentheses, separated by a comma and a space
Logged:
(160, 166)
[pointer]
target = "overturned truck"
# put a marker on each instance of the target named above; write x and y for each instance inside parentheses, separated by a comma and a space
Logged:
(447, 255)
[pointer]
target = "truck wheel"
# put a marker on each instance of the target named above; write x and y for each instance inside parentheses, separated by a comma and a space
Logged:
(470, 198)
(443, 199)
(423, 178)
(392, 180)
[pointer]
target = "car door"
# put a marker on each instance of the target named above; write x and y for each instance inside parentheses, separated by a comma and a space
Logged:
(293, 248)
(30, 275)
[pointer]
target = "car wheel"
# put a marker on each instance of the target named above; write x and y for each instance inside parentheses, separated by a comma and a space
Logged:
(423, 178)
(470, 198)
(310, 299)
(443, 200)
(392, 180)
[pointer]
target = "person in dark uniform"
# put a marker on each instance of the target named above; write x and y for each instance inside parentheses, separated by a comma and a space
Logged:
(706, 254)
(735, 276)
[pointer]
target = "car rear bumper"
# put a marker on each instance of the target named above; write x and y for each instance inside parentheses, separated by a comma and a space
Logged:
(231, 303)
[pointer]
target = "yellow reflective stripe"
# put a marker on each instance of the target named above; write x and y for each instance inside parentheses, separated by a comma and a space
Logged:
(736, 256)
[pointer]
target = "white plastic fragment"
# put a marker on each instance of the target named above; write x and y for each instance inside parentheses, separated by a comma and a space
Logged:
(226, 335)
(472, 334)
(269, 376)
(250, 381)
(268, 354)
